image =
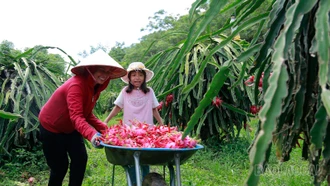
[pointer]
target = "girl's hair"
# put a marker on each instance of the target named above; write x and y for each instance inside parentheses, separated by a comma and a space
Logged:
(143, 87)
(154, 179)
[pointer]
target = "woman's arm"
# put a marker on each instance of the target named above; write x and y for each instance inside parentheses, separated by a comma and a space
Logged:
(157, 116)
(113, 113)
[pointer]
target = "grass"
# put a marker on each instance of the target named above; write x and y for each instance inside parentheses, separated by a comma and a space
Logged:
(226, 165)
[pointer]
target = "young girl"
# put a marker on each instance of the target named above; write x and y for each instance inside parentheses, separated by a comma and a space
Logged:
(138, 102)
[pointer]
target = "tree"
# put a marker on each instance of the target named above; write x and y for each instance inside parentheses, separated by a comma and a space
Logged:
(118, 51)
(92, 50)
(7, 49)
(160, 22)
(53, 62)
(6, 46)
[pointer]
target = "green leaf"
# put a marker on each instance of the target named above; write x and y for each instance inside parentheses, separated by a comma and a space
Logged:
(322, 46)
(277, 18)
(9, 115)
(325, 95)
(245, 57)
(318, 130)
(161, 96)
(237, 110)
(194, 6)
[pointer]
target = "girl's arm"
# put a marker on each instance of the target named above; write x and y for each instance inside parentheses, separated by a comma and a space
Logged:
(114, 112)
(157, 116)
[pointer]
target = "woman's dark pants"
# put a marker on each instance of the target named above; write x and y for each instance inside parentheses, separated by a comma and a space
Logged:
(62, 150)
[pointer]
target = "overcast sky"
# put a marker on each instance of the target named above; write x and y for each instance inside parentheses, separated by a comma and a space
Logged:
(75, 25)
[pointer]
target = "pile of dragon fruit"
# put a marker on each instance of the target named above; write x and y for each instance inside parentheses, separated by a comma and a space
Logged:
(142, 135)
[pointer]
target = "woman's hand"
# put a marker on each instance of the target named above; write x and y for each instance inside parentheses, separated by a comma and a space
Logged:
(96, 140)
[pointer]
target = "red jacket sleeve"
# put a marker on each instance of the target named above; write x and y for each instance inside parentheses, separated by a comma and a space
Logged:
(96, 123)
(78, 110)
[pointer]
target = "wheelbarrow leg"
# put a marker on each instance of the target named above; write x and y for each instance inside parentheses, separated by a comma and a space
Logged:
(177, 166)
(172, 176)
(164, 166)
(137, 167)
(128, 178)
(113, 175)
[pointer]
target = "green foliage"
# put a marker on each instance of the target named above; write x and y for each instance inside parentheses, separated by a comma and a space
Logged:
(53, 62)
(188, 94)
(24, 158)
(118, 52)
(295, 86)
(160, 21)
(195, 73)
(105, 103)
(25, 87)
(25, 164)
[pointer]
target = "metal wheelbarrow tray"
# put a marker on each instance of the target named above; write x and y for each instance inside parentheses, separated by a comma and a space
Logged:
(125, 156)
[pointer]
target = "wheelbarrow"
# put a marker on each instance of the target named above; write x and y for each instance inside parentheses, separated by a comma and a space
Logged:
(126, 156)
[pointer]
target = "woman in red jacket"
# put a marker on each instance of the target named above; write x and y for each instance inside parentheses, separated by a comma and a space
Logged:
(67, 117)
